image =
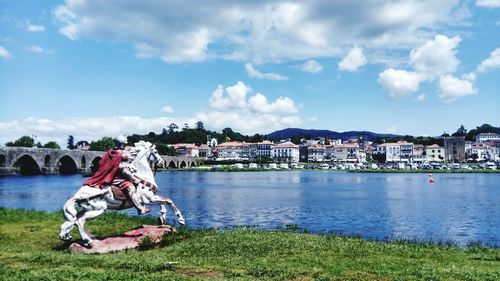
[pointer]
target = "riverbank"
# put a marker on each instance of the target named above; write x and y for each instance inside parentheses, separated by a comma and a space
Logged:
(30, 250)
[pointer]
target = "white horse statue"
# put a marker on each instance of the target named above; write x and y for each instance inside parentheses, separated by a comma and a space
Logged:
(92, 202)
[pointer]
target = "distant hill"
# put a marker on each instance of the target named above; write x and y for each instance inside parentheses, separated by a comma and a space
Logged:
(289, 133)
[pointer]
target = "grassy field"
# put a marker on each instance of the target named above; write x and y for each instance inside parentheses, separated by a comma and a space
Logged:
(30, 250)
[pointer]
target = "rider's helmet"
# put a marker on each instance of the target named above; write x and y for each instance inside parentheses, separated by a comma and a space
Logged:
(120, 141)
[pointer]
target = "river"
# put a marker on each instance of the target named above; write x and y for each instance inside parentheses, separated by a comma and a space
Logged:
(456, 207)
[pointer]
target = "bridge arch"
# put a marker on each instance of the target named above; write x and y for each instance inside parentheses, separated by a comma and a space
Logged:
(83, 162)
(171, 165)
(192, 165)
(94, 165)
(46, 161)
(2, 160)
(67, 165)
(27, 165)
(183, 165)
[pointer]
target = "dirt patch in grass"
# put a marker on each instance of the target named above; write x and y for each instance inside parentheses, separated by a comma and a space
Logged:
(205, 273)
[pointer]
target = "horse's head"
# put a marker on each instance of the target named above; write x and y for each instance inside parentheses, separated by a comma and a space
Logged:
(154, 157)
(146, 150)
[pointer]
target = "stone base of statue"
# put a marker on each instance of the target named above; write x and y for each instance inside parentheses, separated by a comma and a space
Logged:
(129, 240)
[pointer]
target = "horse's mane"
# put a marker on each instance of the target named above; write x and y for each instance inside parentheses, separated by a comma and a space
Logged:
(132, 151)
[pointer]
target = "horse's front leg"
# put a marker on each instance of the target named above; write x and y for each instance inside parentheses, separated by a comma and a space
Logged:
(162, 218)
(163, 211)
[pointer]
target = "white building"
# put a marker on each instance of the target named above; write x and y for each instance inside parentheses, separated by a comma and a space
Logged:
(434, 153)
(230, 150)
(187, 149)
(285, 152)
(484, 137)
(315, 153)
(264, 148)
(348, 153)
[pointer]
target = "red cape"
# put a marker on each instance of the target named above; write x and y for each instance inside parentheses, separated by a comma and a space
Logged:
(108, 166)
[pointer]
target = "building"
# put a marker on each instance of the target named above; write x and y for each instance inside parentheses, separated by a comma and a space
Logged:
(264, 148)
(205, 151)
(484, 137)
(187, 149)
(230, 150)
(454, 149)
(315, 153)
(285, 152)
(405, 151)
(434, 153)
(347, 153)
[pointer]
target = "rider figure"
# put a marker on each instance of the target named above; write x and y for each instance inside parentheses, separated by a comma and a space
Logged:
(114, 169)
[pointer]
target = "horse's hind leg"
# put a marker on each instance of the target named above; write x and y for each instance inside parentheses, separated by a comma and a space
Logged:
(70, 219)
(80, 223)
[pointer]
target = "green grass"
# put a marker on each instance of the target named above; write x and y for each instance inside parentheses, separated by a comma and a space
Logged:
(30, 250)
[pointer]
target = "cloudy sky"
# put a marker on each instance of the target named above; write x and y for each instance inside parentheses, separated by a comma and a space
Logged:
(94, 68)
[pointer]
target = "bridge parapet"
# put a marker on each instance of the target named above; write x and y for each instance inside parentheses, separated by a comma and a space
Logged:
(65, 161)
(179, 162)
(47, 160)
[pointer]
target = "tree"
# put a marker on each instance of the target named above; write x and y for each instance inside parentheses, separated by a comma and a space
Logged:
(445, 135)
(71, 142)
(164, 149)
(186, 126)
(172, 127)
(200, 125)
(23, 141)
(51, 144)
(461, 132)
(103, 144)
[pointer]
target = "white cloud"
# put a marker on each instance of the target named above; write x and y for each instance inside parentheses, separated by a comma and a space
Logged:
(436, 57)
(91, 128)
(259, 103)
(235, 97)
(167, 109)
(491, 63)
(34, 28)
(398, 83)
(353, 60)
(36, 49)
(488, 3)
(391, 130)
(254, 73)
(453, 88)
(312, 66)
(230, 107)
(256, 31)
(422, 97)
(4, 53)
(313, 119)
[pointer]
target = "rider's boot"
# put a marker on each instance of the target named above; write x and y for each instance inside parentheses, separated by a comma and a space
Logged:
(134, 197)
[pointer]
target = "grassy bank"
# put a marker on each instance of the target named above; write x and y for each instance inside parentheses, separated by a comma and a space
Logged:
(30, 250)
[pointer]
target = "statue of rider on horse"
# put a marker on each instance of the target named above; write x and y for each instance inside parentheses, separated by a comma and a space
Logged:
(124, 180)
(115, 169)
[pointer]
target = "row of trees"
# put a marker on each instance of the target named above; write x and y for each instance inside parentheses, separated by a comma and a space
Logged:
(460, 132)
(26, 141)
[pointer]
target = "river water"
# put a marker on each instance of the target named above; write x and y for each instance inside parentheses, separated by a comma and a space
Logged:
(456, 207)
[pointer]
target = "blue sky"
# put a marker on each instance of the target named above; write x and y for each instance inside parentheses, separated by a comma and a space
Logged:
(101, 68)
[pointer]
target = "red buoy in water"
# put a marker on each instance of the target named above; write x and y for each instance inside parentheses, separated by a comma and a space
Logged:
(431, 179)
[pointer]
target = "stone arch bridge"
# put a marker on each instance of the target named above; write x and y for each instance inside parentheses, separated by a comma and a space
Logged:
(37, 161)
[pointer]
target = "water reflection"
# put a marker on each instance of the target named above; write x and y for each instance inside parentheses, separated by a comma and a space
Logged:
(458, 207)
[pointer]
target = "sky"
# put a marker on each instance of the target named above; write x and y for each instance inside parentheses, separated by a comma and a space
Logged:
(94, 68)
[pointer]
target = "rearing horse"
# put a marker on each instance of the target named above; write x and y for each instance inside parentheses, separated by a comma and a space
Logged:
(92, 202)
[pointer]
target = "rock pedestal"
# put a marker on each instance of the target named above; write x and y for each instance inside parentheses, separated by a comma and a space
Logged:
(129, 240)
